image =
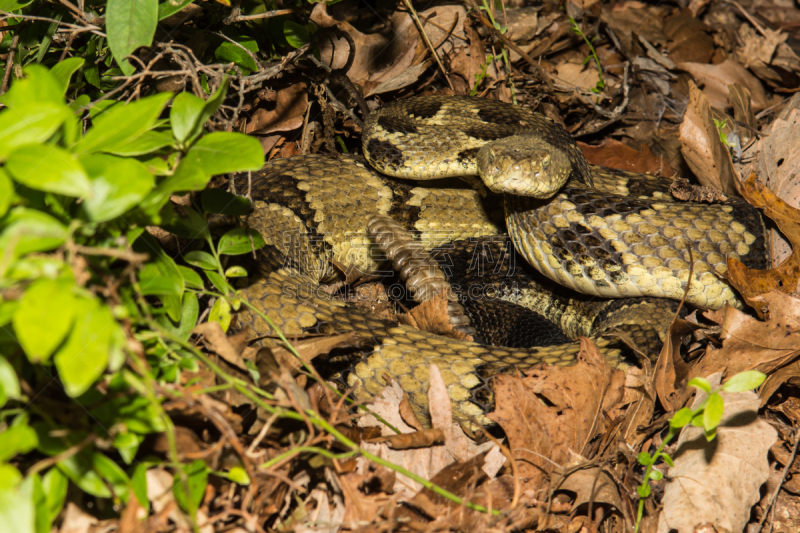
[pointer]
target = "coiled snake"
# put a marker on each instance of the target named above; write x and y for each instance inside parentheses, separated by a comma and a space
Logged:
(599, 232)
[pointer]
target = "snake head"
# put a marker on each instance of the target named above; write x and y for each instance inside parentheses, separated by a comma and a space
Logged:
(523, 166)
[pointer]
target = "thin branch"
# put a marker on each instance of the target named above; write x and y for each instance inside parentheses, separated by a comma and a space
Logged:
(259, 16)
(428, 42)
(9, 63)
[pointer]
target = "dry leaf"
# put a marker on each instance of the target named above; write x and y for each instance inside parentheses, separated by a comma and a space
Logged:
(425, 462)
(748, 343)
(670, 369)
(689, 40)
(614, 154)
(718, 482)
(701, 147)
(544, 435)
(777, 163)
(388, 57)
(590, 484)
(217, 341)
(432, 316)
(751, 283)
(325, 517)
(716, 79)
(284, 113)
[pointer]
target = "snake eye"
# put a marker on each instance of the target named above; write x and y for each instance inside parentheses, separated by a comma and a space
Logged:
(546, 161)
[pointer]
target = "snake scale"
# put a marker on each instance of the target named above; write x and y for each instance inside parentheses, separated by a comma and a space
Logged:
(599, 232)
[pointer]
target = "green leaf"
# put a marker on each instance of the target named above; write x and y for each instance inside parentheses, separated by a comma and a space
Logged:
(221, 312)
(160, 276)
(148, 142)
(700, 383)
(237, 474)
(191, 278)
(224, 203)
(49, 168)
(19, 438)
(55, 485)
(6, 192)
(170, 7)
(713, 412)
(238, 242)
(38, 87)
(219, 282)
(84, 356)
(44, 317)
(185, 115)
(656, 475)
(80, 470)
(231, 53)
(139, 485)
(16, 503)
(295, 34)
(236, 271)
(644, 459)
(697, 420)
(223, 152)
(190, 494)
(710, 434)
(13, 5)
(667, 459)
(30, 230)
(113, 474)
(744, 381)
(643, 490)
(129, 25)
(38, 126)
(9, 383)
(681, 418)
(190, 310)
(119, 183)
(121, 124)
(201, 259)
(127, 444)
(63, 71)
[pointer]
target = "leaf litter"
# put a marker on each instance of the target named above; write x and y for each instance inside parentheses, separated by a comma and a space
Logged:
(564, 457)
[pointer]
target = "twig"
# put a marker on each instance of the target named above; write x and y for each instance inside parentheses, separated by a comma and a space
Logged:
(266, 15)
(9, 63)
(780, 484)
(614, 115)
(66, 454)
(428, 42)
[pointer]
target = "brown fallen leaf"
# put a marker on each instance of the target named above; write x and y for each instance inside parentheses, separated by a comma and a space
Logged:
(689, 39)
(386, 59)
(777, 163)
(589, 484)
(751, 283)
(425, 462)
(750, 344)
(718, 482)
(544, 436)
(432, 315)
(614, 154)
(716, 79)
(670, 369)
(284, 112)
(217, 341)
(701, 147)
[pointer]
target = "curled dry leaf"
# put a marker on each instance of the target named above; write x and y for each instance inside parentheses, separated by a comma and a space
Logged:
(219, 342)
(750, 344)
(777, 163)
(701, 147)
(751, 283)
(670, 369)
(544, 436)
(311, 347)
(718, 482)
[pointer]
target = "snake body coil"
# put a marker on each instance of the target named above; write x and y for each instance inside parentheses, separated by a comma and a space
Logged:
(606, 233)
